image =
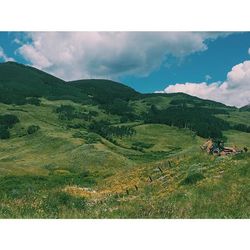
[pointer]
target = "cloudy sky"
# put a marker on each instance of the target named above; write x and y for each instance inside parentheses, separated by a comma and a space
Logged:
(209, 65)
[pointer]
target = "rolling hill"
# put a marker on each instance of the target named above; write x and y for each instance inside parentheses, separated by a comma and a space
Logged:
(245, 108)
(99, 149)
(105, 91)
(17, 82)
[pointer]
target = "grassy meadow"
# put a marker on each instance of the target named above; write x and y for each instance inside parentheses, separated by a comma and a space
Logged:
(64, 171)
(100, 149)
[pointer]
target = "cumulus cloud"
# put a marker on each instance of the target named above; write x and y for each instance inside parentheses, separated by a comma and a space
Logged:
(235, 90)
(35, 56)
(74, 55)
(4, 57)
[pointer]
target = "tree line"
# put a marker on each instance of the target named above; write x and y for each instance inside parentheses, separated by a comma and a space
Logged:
(241, 127)
(106, 130)
(68, 112)
(200, 120)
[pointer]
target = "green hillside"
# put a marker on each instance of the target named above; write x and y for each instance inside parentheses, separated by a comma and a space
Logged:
(99, 149)
(105, 91)
(18, 82)
(245, 108)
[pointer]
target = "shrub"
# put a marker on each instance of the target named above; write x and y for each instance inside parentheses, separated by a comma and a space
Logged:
(58, 200)
(8, 120)
(50, 166)
(124, 119)
(117, 107)
(34, 101)
(92, 138)
(84, 173)
(192, 178)
(142, 144)
(129, 117)
(88, 137)
(93, 113)
(137, 148)
(32, 129)
(4, 133)
(66, 112)
(76, 125)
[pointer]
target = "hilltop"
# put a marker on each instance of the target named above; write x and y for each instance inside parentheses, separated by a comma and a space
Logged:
(105, 91)
(99, 149)
(17, 82)
(245, 108)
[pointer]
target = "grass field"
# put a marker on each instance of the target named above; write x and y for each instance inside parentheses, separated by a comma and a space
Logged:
(160, 172)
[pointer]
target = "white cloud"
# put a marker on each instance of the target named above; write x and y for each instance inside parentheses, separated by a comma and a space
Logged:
(235, 90)
(74, 55)
(17, 41)
(208, 77)
(35, 56)
(4, 57)
(249, 51)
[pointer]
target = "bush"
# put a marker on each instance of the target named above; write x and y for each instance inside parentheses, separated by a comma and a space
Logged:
(92, 138)
(34, 101)
(143, 144)
(93, 113)
(127, 117)
(84, 173)
(32, 129)
(76, 125)
(124, 119)
(140, 146)
(66, 112)
(58, 200)
(137, 148)
(192, 178)
(118, 107)
(88, 137)
(8, 120)
(4, 133)
(50, 166)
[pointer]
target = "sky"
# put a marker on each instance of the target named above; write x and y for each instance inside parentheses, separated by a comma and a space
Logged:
(210, 65)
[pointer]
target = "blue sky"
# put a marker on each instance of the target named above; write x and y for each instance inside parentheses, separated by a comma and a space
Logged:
(196, 63)
(221, 55)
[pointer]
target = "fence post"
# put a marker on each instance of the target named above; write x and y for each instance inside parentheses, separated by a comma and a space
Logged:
(160, 169)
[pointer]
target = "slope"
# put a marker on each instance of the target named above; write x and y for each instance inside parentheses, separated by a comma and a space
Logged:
(105, 91)
(70, 168)
(17, 82)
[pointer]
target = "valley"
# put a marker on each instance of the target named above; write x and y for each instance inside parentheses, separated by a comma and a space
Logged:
(99, 149)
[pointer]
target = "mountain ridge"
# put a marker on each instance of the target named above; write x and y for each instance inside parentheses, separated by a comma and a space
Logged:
(245, 108)
(57, 87)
